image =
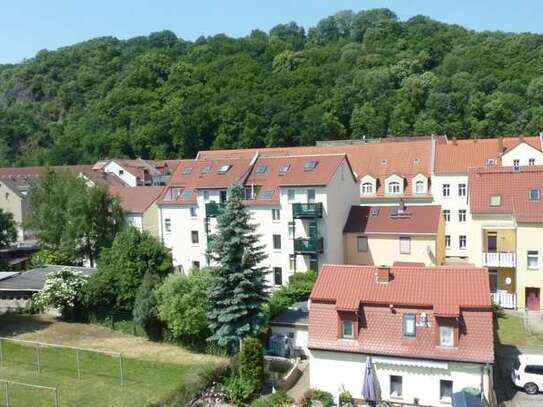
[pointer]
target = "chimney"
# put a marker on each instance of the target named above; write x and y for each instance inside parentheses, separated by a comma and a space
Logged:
(521, 138)
(402, 205)
(383, 275)
(454, 141)
(500, 145)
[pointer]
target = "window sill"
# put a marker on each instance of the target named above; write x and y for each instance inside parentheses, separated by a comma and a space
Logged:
(397, 398)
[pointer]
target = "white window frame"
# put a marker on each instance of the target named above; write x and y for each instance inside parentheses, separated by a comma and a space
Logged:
(447, 215)
(531, 162)
(362, 244)
(394, 188)
(532, 255)
(276, 214)
(367, 188)
(291, 195)
(462, 215)
(193, 212)
(462, 190)
(395, 394)
(442, 398)
(311, 195)
(446, 190)
(344, 324)
(495, 201)
(275, 269)
(465, 239)
(405, 240)
(206, 196)
(291, 230)
(420, 183)
(446, 336)
(194, 233)
(167, 225)
(447, 241)
(409, 318)
(277, 249)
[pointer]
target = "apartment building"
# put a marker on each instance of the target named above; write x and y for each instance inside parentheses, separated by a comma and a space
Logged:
(450, 183)
(409, 325)
(506, 230)
(299, 204)
(389, 235)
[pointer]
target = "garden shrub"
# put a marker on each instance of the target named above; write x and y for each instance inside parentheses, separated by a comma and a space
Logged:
(251, 363)
(278, 399)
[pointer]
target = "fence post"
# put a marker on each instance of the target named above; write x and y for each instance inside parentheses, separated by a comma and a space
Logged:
(1, 352)
(56, 396)
(6, 390)
(38, 356)
(121, 368)
(77, 362)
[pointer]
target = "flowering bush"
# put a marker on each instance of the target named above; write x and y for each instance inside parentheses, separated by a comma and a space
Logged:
(62, 290)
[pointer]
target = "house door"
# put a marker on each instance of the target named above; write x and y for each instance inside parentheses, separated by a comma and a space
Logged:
(492, 242)
(532, 299)
(493, 276)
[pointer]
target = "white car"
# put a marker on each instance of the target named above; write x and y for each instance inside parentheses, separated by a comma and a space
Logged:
(528, 373)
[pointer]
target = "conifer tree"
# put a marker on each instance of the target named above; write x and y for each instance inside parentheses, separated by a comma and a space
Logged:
(237, 288)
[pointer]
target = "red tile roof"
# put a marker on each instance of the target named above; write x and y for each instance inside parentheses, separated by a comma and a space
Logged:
(513, 187)
(191, 175)
(405, 157)
(296, 175)
(105, 179)
(457, 156)
(136, 199)
(462, 293)
(423, 219)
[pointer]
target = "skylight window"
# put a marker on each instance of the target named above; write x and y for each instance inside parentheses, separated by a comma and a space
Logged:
(490, 162)
(261, 169)
(284, 169)
(310, 165)
(266, 194)
(224, 168)
(495, 200)
(535, 194)
(206, 169)
(187, 171)
(187, 194)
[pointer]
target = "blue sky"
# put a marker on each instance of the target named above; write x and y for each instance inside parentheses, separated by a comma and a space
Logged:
(26, 26)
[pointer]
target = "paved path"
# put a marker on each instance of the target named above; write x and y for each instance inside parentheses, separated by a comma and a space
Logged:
(301, 386)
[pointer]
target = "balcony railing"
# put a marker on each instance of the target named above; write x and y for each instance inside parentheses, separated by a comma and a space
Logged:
(307, 210)
(214, 209)
(504, 299)
(308, 245)
(499, 259)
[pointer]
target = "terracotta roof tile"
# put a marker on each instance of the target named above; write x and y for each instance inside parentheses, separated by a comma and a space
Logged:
(136, 199)
(462, 293)
(423, 219)
(457, 156)
(513, 187)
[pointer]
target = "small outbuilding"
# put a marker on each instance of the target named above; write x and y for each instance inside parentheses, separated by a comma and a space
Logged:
(289, 331)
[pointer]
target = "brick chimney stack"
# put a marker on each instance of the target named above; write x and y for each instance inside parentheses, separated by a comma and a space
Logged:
(500, 145)
(402, 205)
(383, 275)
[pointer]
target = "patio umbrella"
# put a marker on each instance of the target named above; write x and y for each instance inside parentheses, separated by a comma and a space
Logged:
(368, 389)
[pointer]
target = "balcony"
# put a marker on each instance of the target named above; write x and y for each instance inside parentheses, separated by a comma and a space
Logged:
(310, 245)
(499, 259)
(307, 210)
(214, 209)
(504, 299)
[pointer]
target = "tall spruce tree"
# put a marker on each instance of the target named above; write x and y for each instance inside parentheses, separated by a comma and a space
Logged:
(237, 289)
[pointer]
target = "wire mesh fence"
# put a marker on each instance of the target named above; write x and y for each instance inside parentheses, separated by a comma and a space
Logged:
(13, 394)
(46, 357)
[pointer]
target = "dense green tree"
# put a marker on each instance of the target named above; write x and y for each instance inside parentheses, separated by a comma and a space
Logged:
(145, 311)
(162, 97)
(122, 267)
(183, 306)
(237, 288)
(71, 217)
(8, 229)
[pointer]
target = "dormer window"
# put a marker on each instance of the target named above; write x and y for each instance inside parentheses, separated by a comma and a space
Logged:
(224, 168)
(495, 200)
(284, 169)
(347, 329)
(173, 193)
(187, 171)
(310, 165)
(490, 162)
(266, 194)
(409, 325)
(206, 169)
(535, 194)
(446, 336)
(394, 187)
(420, 187)
(187, 194)
(261, 169)
(367, 188)
(531, 161)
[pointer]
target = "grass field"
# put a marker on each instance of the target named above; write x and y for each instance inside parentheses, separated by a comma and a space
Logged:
(152, 371)
(510, 331)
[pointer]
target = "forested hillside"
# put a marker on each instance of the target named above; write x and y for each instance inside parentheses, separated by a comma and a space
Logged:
(353, 75)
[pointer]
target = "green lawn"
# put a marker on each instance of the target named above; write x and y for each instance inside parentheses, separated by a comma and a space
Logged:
(146, 381)
(510, 331)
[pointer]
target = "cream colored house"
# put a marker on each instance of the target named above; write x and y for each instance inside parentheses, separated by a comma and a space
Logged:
(14, 199)
(506, 229)
(140, 209)
(388, 235)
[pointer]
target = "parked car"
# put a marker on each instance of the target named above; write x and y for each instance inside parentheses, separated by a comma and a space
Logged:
(528, 373)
